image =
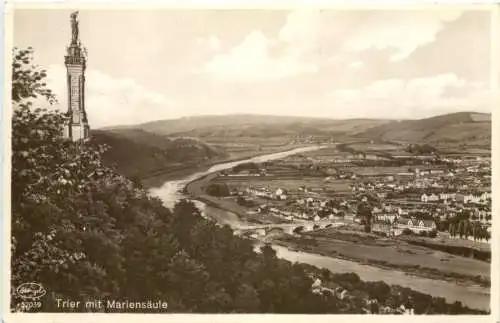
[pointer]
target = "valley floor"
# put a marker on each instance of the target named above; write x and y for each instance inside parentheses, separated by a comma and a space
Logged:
(182, 171)
(394, 254)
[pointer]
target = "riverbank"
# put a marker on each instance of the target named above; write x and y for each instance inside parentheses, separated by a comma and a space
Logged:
(474, 296)
(196, 189)
(381, 258)
(156, 179)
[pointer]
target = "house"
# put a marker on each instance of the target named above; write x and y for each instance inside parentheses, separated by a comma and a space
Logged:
(415, 225)
(303, 189)
(402, 211)
(383, 227)
(357, 219)
(280, 194)
(429, 198)
(471, 198)
(485, 196)
(382, 195)
(386, 217)
(424, 172)
(447, 196)
(317, 283)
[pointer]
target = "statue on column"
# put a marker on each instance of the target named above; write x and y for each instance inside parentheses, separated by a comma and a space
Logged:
(74, 27)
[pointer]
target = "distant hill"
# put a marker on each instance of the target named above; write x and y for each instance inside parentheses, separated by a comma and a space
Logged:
(455, 127)
(138, 153)
(174, 144)
(256, 126)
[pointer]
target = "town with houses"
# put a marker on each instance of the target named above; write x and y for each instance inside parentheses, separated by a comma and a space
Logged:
(426, 196)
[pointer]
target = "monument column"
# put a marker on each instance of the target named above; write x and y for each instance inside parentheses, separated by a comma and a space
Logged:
(75, 61)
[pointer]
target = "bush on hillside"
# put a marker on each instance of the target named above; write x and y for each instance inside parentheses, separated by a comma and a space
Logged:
(218, 189)
(246, 166)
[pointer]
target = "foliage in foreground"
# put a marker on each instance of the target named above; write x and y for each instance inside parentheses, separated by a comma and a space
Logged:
(85, 232)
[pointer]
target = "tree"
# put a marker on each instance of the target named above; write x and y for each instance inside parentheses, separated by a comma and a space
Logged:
(62, 235)
(407, 232)
(475, 231)
(247, 299)
(268, 252)
(466, 228)
(460, 228)
(452, 229)
(364, 211)
(378, 290)
(218, 189)
(28, 80)
(185, 217)
(245, 166)
(423, 233)
(298, 229)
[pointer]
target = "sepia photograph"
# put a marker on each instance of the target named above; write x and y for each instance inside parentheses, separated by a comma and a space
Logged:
(235, 161)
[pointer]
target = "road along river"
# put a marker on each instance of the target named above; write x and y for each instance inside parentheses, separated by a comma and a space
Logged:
(473, 296)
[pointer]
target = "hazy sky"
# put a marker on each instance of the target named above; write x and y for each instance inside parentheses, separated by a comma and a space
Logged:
(159, 64)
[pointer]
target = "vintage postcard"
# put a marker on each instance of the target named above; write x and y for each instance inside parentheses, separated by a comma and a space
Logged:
(328, 160)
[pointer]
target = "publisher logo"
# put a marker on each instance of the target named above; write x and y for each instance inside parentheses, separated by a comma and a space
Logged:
(30, 291)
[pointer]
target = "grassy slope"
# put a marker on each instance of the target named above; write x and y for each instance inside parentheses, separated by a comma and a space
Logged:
(455, 127)
(139, 153)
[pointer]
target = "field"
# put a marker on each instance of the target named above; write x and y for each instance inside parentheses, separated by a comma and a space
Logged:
(445, 240)
(328, 153)
(395, 150)
(478, 151)
(313, 184)
(374, 171)
(370, 147)
(245, 147)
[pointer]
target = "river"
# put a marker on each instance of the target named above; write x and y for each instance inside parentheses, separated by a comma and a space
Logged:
(473, 296)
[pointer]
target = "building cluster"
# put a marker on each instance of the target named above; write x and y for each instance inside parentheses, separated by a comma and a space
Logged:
(415, 199)
(370, 305)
